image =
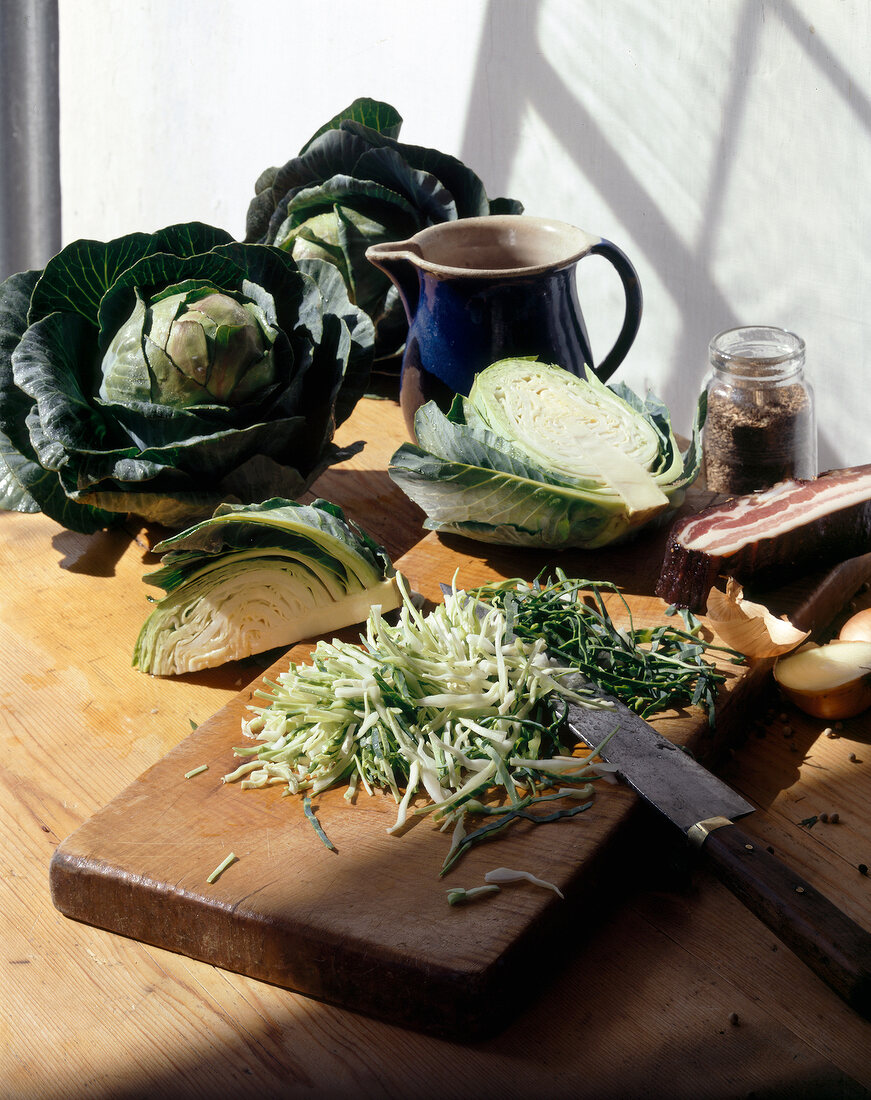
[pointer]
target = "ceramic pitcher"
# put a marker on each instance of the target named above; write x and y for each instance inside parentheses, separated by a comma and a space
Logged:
(481, 289)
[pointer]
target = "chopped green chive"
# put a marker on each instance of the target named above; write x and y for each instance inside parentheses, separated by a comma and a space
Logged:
(222, 867)
(649, 668)
(310, 814)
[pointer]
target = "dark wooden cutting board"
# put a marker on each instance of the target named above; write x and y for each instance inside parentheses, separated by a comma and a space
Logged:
(368, 926)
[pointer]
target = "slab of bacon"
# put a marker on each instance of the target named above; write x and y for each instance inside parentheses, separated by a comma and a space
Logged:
(768, 536)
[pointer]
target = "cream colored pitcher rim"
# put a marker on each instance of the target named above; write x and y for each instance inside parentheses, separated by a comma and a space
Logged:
(579, 242)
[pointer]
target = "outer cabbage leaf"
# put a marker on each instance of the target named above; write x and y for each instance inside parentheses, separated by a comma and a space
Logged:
(14, 465)
(25, 484)
(467, 482)
(482, 471)
(255, 578)
(75, 280)
(370, 112)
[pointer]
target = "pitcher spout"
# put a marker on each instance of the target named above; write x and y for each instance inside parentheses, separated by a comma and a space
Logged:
(399, 261)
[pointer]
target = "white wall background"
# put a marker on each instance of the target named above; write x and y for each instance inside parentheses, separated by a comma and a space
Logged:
(723, 144)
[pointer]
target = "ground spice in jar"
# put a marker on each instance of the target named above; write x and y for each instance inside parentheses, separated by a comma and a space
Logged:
(760, 426)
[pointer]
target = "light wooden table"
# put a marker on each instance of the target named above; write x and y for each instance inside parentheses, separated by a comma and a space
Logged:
(674, 990)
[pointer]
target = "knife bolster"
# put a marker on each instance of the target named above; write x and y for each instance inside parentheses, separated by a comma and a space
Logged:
(697, 834)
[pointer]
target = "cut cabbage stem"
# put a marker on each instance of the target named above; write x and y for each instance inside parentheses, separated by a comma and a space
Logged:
(457, 895)
(830, 681)
(505, 874)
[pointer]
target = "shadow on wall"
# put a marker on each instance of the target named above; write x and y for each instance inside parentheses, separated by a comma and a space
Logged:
(513, 70)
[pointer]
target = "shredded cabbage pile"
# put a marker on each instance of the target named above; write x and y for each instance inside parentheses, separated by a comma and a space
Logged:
(448, 703)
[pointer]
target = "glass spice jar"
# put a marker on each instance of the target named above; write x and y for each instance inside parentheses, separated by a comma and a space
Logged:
(760, 426)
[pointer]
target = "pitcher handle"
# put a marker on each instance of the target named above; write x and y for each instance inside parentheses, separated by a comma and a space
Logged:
(634, 304)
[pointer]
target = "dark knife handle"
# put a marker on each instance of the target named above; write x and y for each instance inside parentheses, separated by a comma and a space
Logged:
(826, 939)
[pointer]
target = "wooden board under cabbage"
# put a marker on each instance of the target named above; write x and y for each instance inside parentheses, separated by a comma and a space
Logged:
(369, 926)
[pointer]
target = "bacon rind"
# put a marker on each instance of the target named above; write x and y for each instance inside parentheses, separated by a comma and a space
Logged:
(687, 575)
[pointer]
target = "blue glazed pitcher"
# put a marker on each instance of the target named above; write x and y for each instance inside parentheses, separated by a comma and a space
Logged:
(477, 290)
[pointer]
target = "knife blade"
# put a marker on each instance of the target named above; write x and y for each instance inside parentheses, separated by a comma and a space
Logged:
(665, 775)
(704, 809)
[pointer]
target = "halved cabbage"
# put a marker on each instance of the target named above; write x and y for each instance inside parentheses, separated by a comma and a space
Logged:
(257, 577)
(536, 456)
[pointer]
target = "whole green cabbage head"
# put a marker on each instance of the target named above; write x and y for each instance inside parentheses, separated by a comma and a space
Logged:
(352, 185)
(162, 374)
(536, 456)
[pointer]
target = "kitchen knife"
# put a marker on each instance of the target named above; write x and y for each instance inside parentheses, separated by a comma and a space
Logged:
(704, 809)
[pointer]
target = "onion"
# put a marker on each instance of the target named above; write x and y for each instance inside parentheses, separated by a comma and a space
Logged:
(831, 681)
(857, 628)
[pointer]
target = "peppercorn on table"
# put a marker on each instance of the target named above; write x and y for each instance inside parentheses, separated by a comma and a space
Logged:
(664, 985)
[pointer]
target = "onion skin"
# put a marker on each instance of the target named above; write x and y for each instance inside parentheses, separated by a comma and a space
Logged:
(857, 628)
(750, 628)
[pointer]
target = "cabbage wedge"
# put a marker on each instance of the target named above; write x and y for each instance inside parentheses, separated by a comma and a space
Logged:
(259, 577)
(536, 456)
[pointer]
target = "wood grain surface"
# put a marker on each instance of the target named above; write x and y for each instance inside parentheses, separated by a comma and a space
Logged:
(663, 985)
(289, 911)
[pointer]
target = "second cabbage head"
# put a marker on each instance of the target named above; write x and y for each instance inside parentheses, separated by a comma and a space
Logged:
(535, 456)
(352, 185)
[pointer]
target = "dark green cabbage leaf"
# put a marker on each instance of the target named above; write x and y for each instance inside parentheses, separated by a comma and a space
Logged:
(160, 374)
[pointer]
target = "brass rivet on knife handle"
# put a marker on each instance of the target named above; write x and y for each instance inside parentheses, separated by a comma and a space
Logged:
(697, 834)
